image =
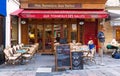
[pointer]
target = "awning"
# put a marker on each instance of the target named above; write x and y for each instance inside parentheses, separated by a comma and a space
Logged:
(17, 12)
(114, 17)
(115, 23)
(114, 14)
(63, 14)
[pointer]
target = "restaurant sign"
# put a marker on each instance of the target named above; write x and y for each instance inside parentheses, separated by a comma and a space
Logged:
(55, 6)
(63, 16)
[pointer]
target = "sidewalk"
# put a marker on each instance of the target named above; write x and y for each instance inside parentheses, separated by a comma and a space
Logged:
(111, 67)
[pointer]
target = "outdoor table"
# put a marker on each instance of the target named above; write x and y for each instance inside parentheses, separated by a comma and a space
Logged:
(22, 51)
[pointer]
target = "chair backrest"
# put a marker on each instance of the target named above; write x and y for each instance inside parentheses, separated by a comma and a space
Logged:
(55, 44)
(11, 51)
(21, 45)
(7, 53)
(93, 51)
(14, 49)
(17, 47)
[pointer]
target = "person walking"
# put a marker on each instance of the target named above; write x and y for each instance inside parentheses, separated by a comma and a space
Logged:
(101, 38)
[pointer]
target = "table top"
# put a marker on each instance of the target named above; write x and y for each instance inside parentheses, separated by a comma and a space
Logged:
(79, 48)
(21, 51)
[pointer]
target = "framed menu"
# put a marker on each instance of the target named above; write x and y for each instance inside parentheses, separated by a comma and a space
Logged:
(62, 56)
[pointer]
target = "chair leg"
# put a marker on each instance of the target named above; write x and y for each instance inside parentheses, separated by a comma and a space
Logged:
(93, 60)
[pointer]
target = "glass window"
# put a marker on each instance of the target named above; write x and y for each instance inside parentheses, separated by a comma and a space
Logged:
(74, 32)
(118, 35)
(40, 36)
(31, 34)
(14, 30)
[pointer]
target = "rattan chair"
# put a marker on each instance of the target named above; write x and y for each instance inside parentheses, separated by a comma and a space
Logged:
(89, 55)
(11, 58)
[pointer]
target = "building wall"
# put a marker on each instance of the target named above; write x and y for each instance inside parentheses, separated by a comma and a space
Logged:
(12, 5)
(112, 6)
(109, 33)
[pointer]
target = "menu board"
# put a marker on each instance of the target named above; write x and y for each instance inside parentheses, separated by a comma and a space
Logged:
(77, 60)
(63, 55)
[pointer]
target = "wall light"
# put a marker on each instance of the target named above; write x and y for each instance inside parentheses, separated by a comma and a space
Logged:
(81, 23)
(23, 22)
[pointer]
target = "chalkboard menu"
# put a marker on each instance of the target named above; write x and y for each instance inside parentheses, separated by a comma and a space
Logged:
(63, 56)
(77, 60)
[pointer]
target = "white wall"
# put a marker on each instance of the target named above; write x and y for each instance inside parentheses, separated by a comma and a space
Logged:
(113, 3)
(11, 7)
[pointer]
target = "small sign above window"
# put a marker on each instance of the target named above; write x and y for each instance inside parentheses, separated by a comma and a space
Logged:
(55, 6)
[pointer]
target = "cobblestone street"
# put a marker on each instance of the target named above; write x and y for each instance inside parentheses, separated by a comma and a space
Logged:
(111, 67)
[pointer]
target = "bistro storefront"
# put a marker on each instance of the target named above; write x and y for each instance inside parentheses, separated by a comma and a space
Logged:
(42, 21)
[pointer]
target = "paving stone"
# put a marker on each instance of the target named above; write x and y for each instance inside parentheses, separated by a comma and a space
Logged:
(111, 67)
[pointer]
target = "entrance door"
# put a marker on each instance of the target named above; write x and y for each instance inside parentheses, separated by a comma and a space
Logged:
(90, 32)
(57, 32)
(40, 36)
(44, 38)
(48, 37)
(60, 30)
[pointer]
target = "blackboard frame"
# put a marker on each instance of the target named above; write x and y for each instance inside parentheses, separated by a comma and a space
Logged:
(62, 53)
(76, 56)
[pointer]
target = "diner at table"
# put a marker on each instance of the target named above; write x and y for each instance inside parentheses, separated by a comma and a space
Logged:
(113, 45)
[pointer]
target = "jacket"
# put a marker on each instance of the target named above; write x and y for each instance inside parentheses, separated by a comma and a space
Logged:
(101, 36)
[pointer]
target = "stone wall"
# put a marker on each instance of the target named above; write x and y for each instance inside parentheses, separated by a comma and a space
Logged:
(108, 33)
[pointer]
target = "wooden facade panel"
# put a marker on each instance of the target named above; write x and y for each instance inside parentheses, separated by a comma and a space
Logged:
(93, 6)
(62, 4)
(24, 5)
(69, 6)
(64, 1)
(24, 32)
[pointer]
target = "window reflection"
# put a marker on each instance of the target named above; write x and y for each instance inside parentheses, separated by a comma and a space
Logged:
(74, 32)
(40, 36)
(14, 31)
(31, 34)
(48, 36)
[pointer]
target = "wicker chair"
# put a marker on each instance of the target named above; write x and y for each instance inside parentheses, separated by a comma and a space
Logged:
(89, 55)
(11, 58)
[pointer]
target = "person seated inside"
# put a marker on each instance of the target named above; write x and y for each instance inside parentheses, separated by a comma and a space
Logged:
(91, 45)
(58, 38)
